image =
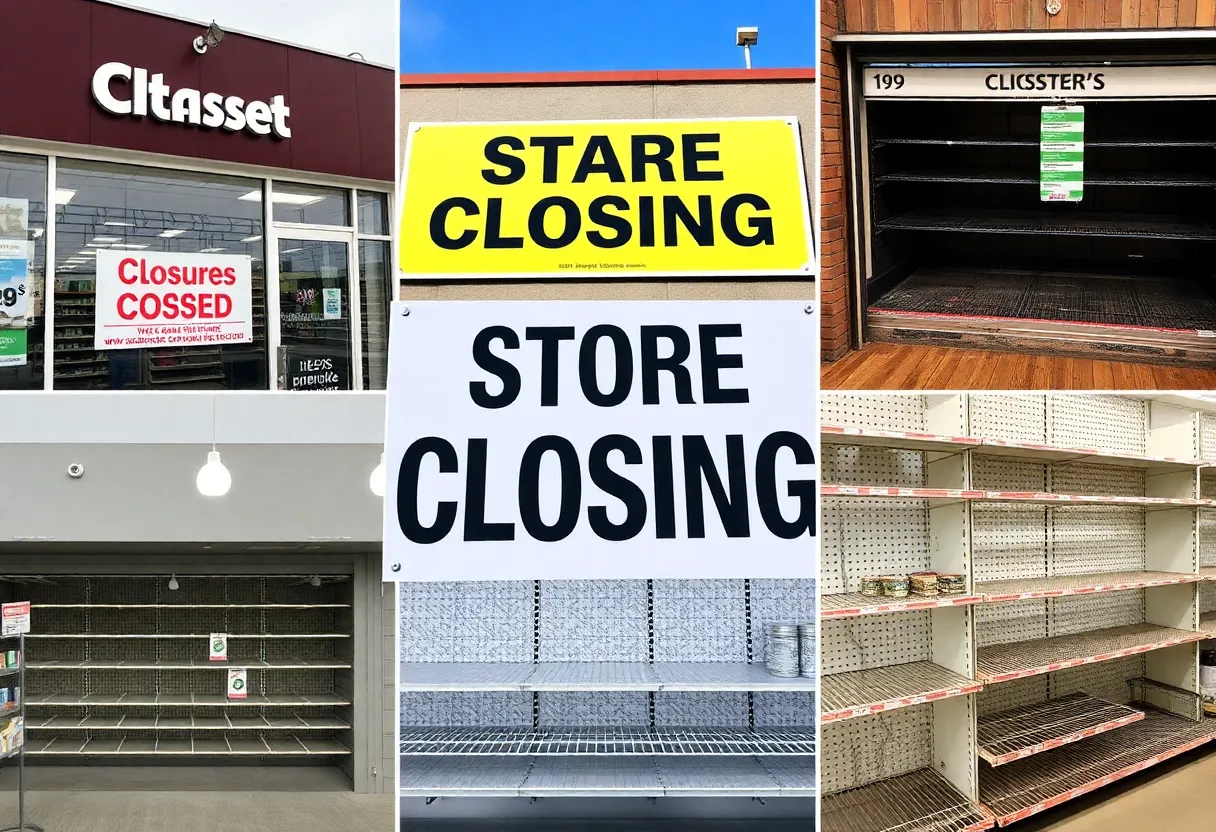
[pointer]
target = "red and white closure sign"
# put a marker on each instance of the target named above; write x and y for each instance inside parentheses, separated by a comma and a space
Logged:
(14, 618)
(172, 300)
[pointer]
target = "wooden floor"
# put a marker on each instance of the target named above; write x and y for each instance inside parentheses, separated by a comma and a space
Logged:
(903, 367)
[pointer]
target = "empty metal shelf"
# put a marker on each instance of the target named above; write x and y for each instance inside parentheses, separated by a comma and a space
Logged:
(1020, 176)
(608, 742)
(1033, 729)
(221, 746)
(189, 664)
(1061, 585)
(1064, 223)
(863, 692)
(920, 800)
(128, 722)
(854, 604)
(204, 636)
(691, 776)
(979, 141)
(196, 700)
(595, 676)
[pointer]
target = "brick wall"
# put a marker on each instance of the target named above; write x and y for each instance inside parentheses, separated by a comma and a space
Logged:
(833, 263)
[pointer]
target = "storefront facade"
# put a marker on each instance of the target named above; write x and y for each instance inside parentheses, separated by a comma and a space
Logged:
(116, 152)
(138, 172)
(1113, 270)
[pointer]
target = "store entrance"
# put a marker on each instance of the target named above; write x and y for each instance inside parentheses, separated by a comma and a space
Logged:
(314, 314)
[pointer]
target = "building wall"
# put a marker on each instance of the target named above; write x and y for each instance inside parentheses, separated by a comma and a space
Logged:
(634, 95)
(1013, 15)
(833, 227)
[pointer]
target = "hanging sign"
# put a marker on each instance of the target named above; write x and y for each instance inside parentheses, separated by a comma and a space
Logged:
(1062, 154)
(601, 440)
(1041, 82)
(15, 618)
(14, 281)
(219, 647)
(237, 681)
(607, 199)
(172, 300)
(312, 368)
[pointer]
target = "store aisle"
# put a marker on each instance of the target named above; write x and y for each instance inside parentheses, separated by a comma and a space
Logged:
(1172, 797)
(141, 799)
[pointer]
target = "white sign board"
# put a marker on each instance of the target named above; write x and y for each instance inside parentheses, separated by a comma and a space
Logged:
(219, 647)
(172, 300)
(14, 618)
(237, 683)
(1040, 82)
(559, 440)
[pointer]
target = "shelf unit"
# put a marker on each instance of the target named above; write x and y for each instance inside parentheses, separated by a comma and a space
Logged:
(1073, 654)
(960, 248)
(603, 688)
(119, 668)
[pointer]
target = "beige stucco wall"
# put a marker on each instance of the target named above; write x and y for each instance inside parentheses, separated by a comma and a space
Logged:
(611, 101)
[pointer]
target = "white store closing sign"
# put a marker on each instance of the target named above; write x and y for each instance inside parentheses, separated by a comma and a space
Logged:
(609, 440)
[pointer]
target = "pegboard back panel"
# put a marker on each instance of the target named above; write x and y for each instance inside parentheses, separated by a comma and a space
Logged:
(994, 473)
(784, 709)
(1082, 613)
(1207, 486)
(848, 644)
(1114, 423)
(860, 538)
(860, 751)
(1207, 436)
(700, 621)
(466, 621)
(593, 621)
(873, 466)
(879, 412)
(1105, 680)
(724, 709)
(1088, 539)
(1207, 597)
(615, 709)
(1015, 621)
(1016, 694)
(1008, 542)
(1097, 479)
(488, 709)
(1011, 417)
(779, 602)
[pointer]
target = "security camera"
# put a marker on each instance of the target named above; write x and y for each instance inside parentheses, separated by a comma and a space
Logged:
(747, 36)
(75, 470)
(212, 37)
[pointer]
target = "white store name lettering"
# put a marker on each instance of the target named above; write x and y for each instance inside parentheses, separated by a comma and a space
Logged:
(148, 95)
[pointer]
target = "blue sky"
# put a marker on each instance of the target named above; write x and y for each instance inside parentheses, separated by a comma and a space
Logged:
(570, 35)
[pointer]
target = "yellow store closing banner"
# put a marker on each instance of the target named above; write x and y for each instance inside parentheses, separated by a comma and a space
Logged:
(608, 198)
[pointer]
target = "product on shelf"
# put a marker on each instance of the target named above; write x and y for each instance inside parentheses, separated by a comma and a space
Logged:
(783, 650)
(923, 583)
(11, 735)
(948, 584)
(806, 649)
(871, 587)
(10, 658)
(895, 587)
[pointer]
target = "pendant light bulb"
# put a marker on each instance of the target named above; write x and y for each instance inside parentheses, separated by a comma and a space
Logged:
(173, 584)
(376, 481)
(315, 580)
(213, 479)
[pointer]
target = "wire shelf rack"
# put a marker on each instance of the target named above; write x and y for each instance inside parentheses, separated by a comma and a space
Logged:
(920, 800)
(578, 742)
(853, 604)
(277, 746)
(944, 496)
(1033, 729)
(596, 676)
(1061, 585)
(614, 776)
(1132, 226)
(1016, 660)
(864, 692)
(199, 700)
(188, 664)
(1024, 788)
(224, 722)
(1018, 176)
(978, 141)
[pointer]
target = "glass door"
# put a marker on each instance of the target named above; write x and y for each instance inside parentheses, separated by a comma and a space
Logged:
(314, 285)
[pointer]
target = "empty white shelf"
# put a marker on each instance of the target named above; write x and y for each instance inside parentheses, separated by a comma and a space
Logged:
(189, 664)
(596, 676)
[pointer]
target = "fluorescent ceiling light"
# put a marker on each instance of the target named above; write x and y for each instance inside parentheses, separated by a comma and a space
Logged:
(128, 245)
(104, 240)
(210, 250)
(171, 232)
(284, 197)
(118, 222)
(92, 252)
(63, 196)
(290, 250)
(252, 239)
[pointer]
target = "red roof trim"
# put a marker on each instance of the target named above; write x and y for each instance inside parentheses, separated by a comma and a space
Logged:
(648, 76)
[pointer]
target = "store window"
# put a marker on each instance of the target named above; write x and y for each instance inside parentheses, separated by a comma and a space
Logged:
(375, 286)
(314, 314)
(119, 207)
(22, 271)
(311, 205)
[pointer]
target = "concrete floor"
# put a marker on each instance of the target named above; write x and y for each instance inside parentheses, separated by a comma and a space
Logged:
(192, 799)
(1176, 796)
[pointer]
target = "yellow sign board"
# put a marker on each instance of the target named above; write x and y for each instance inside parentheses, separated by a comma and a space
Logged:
(606, 198)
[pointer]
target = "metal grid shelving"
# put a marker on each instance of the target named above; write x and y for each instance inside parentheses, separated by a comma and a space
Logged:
(978, 141)
(1019, 176)
(945, 496)
(189, 664)
(863, 692)
(1033, 729)
(258, 746)
(854, 604)
(156, 722)
(1017, 660)
(596, 676)
(1059, 586)
(1024, 788)
(919, 800)
(619, 776)
(186, 700)
(578, 742)
(1120, 226)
